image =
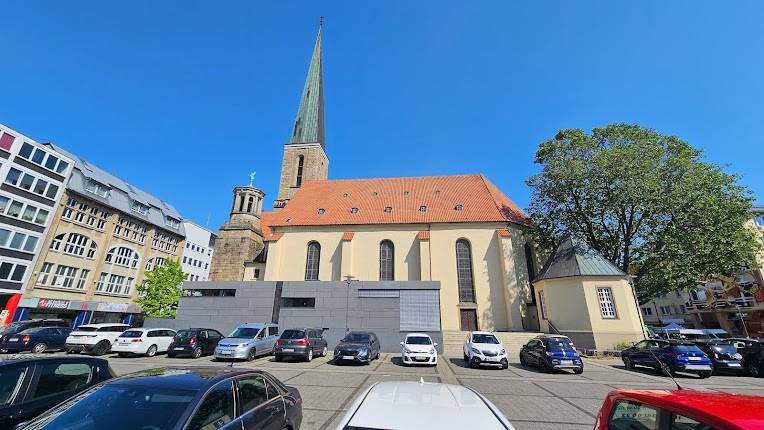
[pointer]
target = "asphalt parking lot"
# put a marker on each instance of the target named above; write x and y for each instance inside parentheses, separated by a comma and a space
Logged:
(531, 400)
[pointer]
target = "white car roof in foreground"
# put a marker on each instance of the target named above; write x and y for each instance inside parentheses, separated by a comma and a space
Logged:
(423, 405)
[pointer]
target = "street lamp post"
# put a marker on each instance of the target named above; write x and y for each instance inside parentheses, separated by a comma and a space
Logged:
(348, 279)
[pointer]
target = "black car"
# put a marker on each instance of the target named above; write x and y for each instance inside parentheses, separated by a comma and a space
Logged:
(753, 355)
(32, 386)
(19, 326)
(357, 347)
(304, 343)
(194, 342)
(668, 356)
(175, 398)
(723, 355)
(551, 352)
(37, 340)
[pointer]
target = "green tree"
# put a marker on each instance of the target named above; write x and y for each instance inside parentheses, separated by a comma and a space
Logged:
(646, 201)
(161, 291)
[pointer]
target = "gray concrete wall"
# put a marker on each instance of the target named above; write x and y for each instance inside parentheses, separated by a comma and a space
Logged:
(334, 305)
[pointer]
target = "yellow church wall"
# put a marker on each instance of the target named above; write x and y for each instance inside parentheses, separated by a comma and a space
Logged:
(626, 327)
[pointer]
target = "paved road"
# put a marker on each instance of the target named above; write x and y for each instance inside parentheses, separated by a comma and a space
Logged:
(531, 400)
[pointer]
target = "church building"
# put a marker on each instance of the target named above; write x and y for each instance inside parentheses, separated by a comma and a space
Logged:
(459, 236)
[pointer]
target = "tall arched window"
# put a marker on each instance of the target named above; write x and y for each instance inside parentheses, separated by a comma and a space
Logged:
(300, 165)
(464, 271)
(75, 244)
(241, 203)
(531, 270)
(312, 261)
(122, 256)
(386, 261)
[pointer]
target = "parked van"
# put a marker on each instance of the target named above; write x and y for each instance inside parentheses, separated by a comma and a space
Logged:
(248, 341)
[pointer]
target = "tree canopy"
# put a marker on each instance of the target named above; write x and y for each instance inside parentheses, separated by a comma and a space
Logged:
(646, 201)
(161, 291)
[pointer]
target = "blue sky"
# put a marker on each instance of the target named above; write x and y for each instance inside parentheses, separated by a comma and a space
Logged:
(185, 98)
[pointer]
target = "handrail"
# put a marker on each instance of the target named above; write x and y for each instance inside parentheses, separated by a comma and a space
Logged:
(552, 327)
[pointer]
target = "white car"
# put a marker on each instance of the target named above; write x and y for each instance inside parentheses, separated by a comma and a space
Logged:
(143, 341)
(94, 338)
(418, 348)
(422, 405)
(482, 347)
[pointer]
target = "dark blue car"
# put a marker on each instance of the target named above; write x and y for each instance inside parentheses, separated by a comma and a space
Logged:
(675, 356)
(37, 340)
(551, 352)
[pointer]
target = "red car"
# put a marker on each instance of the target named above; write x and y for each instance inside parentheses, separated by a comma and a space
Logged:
(679, 409)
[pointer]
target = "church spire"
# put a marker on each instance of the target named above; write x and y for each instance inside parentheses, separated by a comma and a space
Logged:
(309, 124)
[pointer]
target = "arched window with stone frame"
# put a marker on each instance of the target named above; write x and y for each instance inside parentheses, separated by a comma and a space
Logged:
(312, 261)
(386, 261)
(465, 279)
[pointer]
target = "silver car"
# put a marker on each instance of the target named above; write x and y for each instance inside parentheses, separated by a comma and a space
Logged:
(248, 341)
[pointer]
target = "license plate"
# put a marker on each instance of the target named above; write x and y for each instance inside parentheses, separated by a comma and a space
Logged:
(566, 361)
(178, 349)
(348, 357)
(694, 358)
(421, 358)
(734, 365)
(288, 349)
(225, 352)
(13, 339)
(697, 367)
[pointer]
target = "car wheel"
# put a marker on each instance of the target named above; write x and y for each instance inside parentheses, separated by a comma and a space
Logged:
(504, 364)
(704, 375)
(197, 353)
(39, 348)
(277, 357)
(545, 367)
(466, 359)
(522, 360)
(101, 349)
(578, 371)
(754, 370)
(69, 351)
(324, 352)
(251, 354)
(474, 363)
(628, 363)
(152, 351)
(309, 357)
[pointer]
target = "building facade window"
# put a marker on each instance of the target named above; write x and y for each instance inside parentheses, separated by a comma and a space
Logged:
(122, 256)
(31, 183)
(64, 277)
(607, 306)
(18, 240)
(6, 141)
(543, 305)
(298, 302)
(312, 262)
(24, 211)
(75, 244)
(646, 311)
(12, 272)
(42, 277)
(81, 281)
(56, 243)
(386, 261)
(300, 167)
(666, 310)
(759, 220)
(114, 284)
(465, 280)
(37, 155)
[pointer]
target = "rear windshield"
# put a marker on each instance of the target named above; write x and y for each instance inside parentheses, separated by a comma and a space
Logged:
(147, 407)
(245, 332)
(560, 345)
(418, 340)
(132, 333)
(485, 338)
(32, 330)
(683, 348)
(14, 327)
(293, 334)
(87, 329)
(184, 334)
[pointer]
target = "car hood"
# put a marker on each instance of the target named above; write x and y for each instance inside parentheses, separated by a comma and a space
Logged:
(353, 346)
(234, 341)
(418, 348)
(488, 347)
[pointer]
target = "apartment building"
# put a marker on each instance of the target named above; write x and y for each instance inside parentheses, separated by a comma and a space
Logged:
(667, 309)
(197, 254)
(33, 179)
(105, 234)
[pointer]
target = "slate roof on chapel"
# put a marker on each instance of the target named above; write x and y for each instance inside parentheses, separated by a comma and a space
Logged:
(574, 257)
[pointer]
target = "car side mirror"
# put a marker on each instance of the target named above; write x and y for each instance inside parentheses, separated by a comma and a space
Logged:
(434, 344)
(401, 343)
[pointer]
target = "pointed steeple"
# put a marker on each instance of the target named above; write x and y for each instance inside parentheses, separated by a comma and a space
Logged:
(309, 124)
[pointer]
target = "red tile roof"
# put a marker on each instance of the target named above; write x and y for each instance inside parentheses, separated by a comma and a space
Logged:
(347, 236)
(415, 200)
(503, 232)
(266, 219)
(423, 235)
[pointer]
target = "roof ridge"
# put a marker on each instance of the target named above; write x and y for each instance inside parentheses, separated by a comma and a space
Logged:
(378, 178)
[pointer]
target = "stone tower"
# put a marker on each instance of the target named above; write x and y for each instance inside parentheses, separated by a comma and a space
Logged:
(305, 156)
(240, 239)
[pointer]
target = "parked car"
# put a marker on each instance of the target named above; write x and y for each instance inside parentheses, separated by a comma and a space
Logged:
(723, 355)
(175, 398)
(716, 333)
(143, 341)
(304, 343)
(194, 342)
(37, 340)
(94, 338)
(19, 326)
(482, 347)
(678, 356)
(753, 355)
(551, 352)
(422, 405)
(679, 409)
(29, 387)
(248, 341)
(418, 348)
(358, 347)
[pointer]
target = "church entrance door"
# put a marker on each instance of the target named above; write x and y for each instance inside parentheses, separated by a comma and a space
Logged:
(468, 319)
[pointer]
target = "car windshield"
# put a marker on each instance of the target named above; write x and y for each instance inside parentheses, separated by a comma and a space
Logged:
(245, 332)
(132, 333)
(293, 334)
(105, 406)
(418, 340)
(683, 348)
(724, 348)
(85, 328)
(721, 335)
(557, 344)
(485, 338)
(357, 338)
(184, 334)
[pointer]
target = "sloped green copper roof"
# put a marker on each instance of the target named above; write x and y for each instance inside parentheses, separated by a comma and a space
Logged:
(309, 123)
(574, 257)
